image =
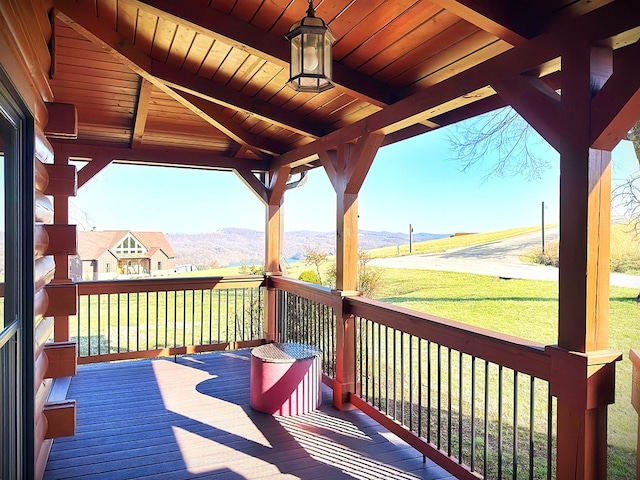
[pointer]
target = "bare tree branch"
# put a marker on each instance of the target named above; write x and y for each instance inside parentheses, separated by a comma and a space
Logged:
(505, 133)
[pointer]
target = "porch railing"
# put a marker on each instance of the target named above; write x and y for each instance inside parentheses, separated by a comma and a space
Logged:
(474, 401)
(127, 319)
(306, 315)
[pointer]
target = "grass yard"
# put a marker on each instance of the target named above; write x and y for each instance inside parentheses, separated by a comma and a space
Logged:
(527, 309)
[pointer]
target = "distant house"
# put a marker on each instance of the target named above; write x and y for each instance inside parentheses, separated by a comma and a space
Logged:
(111, 254)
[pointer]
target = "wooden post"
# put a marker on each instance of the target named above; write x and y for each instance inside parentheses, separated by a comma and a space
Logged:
(347, 168)
(273, 247)
(583, 305)
(270, 191)
(583, 369)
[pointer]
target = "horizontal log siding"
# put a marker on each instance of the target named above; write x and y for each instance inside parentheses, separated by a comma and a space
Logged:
(43, 273)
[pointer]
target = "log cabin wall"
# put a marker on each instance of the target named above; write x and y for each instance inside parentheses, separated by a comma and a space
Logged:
(25, 32)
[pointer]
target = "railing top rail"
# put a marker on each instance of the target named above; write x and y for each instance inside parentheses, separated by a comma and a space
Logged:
(164, 284)
(516, 353)
(316, 293)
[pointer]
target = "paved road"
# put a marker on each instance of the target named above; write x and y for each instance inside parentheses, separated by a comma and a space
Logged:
(499, 258)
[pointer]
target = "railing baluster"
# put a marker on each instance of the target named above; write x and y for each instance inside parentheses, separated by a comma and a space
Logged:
(532, 416)
(499, 421)
(395, 403)
(515, 424)
(473, 413)
(137, 321)
(386, 369)
(486, 420)
(460, 417)
(449, 415)
(549, 433)
(419, 387)
(119, 329)
(380, 363)
(402, 378)
(428, 391)
(439, 392)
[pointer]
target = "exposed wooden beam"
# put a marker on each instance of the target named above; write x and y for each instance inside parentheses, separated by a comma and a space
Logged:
(153, 156)
(227, 97)
(82, 20)
(213, 115)
(616, 107)
(361, 160)
(275, 49)
(278, 185)
(98, 163)
(536, 102)
(254, 183)
(142, 109)
(493, 16)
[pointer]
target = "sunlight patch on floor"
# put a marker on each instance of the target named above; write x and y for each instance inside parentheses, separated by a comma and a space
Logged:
(318, 421)
(177, 384)
(350, 461)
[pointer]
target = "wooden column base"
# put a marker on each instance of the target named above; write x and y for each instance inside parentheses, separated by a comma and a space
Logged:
(584, 384)
(341, 395)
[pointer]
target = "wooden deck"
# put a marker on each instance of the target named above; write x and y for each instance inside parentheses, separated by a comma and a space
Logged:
(191, 419)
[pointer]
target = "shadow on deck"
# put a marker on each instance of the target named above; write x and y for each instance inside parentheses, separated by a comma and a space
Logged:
(191, 419)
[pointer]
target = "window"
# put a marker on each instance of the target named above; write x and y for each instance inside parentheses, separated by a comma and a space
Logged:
(17, 274)
(130, 246)
(159, 265)
(107, 267)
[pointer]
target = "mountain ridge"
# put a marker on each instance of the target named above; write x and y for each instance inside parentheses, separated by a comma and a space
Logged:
(239, 245)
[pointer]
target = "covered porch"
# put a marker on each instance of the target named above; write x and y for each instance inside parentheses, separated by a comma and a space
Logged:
(190, 418)
(202, 85)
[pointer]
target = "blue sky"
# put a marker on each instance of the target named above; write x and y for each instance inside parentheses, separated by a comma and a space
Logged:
(412, 182)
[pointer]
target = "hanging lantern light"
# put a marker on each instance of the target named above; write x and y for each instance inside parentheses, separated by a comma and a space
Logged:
(311, 58)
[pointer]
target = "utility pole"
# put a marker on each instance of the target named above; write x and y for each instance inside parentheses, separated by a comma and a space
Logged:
(410, 238)
(543, 227)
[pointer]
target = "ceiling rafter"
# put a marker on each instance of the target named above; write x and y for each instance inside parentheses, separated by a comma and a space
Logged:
(86, 24)
(253, 40)
(212, 114)
(489, 15)
(229, 98)
(142, 109)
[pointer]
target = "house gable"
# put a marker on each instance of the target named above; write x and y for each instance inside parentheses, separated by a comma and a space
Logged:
(129, 245)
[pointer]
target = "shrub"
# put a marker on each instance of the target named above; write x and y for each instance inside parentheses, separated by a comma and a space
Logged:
(549, 256)
(310, 276)
(251, 269)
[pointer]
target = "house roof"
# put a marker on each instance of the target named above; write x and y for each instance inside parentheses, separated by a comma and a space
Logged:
(203, 84)
(92, 244)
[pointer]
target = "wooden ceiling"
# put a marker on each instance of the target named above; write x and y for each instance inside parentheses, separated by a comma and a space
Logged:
(203, 82)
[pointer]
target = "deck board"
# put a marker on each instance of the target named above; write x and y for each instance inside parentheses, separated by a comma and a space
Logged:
(191, 418)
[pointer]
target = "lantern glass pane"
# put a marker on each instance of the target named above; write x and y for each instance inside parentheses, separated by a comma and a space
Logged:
(311, 59)
(296, 58)
(327, 57)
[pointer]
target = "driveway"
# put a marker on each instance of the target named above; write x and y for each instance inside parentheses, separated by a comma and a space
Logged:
(500, 259)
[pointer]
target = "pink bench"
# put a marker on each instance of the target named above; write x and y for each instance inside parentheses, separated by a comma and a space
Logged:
(285, 378)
